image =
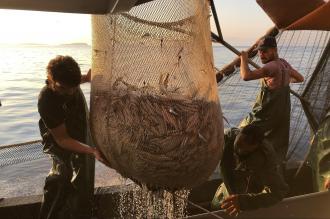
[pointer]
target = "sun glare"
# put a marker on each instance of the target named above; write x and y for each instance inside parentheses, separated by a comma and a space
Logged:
(19, 27)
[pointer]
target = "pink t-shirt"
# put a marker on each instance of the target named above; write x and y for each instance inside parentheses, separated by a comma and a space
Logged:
(278, 73)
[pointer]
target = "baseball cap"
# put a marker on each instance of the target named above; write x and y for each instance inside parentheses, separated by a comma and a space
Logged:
(266, 43)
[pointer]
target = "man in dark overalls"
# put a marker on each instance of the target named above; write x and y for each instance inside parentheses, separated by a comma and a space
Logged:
(271, 111)
(69, 187)
(250, 172)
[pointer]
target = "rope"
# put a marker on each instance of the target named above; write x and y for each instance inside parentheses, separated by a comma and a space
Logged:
(198, 206)
(167, 25)
(227, 121)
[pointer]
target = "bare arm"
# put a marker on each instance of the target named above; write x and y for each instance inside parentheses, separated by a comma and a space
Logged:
(65, 141)
(327, 184)
(296, 77)
(246, 73)
(275, 192)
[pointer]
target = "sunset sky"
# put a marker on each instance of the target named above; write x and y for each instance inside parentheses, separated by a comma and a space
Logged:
(242, 22)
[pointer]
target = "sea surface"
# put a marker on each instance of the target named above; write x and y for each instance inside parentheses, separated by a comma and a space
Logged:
(22, 75)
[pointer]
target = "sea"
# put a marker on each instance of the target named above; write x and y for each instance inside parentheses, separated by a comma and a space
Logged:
(22, 75)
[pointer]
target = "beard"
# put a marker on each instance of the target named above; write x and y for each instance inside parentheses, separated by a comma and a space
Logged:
(264, 61)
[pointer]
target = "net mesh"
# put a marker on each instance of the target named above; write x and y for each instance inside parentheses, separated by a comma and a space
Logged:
(155, 112)
(318, 89)
(14, 154)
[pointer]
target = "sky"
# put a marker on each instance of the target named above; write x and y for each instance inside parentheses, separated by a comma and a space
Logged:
(242, 22)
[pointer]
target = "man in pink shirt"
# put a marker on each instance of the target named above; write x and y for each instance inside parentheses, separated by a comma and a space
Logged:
(271, 112)
(276, 71)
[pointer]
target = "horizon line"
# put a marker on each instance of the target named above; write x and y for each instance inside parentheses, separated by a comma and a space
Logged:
(85, 44)
(45, 44)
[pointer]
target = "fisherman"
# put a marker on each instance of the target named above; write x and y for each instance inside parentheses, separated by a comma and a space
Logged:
(271, 112)
(250, 172)
(319, 155)
(69, 187)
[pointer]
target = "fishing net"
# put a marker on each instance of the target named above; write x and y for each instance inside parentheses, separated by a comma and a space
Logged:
(317, 91)
(155, 111)
(14, 154)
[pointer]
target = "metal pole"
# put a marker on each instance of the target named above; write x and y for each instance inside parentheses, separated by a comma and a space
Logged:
(216, 20)
(234, 50)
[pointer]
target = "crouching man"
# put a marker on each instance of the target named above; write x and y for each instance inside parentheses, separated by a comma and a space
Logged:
(251, 173)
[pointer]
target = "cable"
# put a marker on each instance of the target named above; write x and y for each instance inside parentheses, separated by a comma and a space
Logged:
(198, 206)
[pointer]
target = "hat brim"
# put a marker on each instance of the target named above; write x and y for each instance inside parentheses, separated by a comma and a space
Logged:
(263, 48)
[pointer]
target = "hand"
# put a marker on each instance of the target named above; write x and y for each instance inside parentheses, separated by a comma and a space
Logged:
(99, 156)
(231, 205)
(89, 76)
(244, 55)
(327, 183)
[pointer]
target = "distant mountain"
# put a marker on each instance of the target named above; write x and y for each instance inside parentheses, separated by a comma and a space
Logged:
(74, 44)
(32, 44)
(45, 45)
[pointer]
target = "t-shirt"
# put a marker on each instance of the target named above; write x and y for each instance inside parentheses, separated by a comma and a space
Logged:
(56, 109)
(278, 73)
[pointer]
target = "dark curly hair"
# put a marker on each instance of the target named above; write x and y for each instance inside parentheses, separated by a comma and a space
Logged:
(251, 137)
(65, 70)
(254, 134)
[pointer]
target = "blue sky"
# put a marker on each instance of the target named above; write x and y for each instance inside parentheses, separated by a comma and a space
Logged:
(242, 22)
